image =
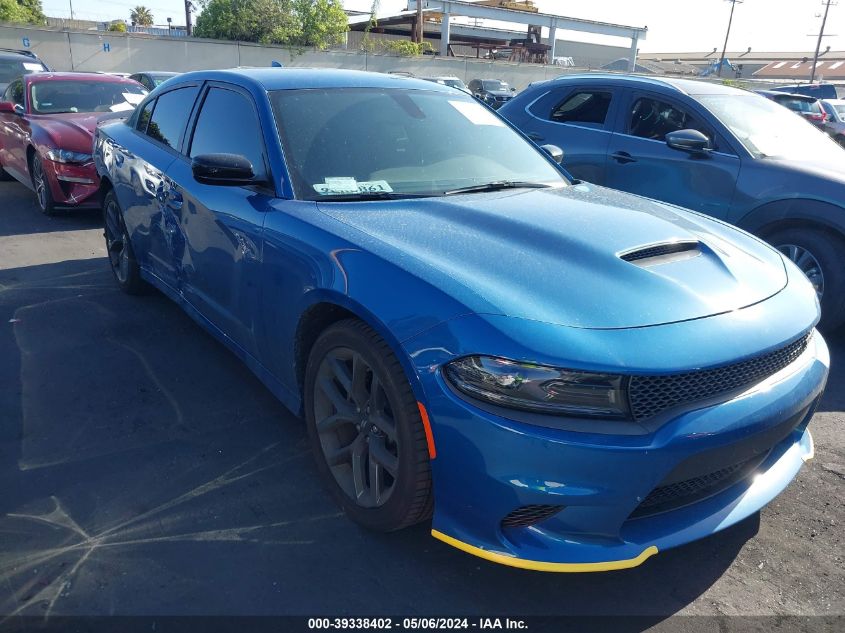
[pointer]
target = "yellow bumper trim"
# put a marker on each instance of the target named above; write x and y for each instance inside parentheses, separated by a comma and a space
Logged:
(536, 565)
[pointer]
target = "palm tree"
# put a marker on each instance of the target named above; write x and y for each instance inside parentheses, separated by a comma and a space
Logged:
(141, 16)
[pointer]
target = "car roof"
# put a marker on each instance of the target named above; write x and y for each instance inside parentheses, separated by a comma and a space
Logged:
(774, 94)
(834, 101)
(683, 86)
(302, 78)
(69, 76)
(19, 55)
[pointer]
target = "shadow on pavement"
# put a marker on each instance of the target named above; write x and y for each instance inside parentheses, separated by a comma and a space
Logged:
(145, 470)
(21, 216)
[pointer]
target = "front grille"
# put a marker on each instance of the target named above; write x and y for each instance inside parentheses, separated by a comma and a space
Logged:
(681, 493)
(530, 515)
(651, 395)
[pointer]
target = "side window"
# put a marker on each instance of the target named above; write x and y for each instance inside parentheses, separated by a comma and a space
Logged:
(144, 117)
(654, 119)
(584, 106)
(14, 92)
(475, 85)
(170, 115)
(228, 124)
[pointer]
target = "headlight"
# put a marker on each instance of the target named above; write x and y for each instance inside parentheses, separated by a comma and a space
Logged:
(540, 388)
(67, 156)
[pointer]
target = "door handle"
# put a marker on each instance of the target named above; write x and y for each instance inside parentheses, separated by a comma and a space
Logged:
(174, 200)
(623, 157)
(534, 136)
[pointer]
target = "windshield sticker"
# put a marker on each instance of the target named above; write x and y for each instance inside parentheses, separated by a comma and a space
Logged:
(33, 67)
(134, 99)
(340, 186)
(476, 113)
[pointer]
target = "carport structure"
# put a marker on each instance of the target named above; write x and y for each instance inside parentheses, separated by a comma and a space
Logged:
(449, 8)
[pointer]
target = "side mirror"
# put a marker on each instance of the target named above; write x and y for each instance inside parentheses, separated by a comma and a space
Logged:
(513, 89)
(230, 170)
(691, 141)
(7, 107)
(554, 151)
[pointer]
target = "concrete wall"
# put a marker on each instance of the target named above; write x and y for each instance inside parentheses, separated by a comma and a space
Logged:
(104, 51)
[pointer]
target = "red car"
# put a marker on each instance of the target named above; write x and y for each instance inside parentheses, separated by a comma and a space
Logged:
(47, 123)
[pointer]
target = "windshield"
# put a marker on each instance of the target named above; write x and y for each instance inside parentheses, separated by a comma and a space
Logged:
(799, 105)
(455, 83)
(11, 69)
(53, 97)
(160, 79)
(769, 130)
(840, 110)
(494, 84)
(411, 142)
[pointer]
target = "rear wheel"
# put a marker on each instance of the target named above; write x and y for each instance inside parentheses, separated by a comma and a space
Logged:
(41, 186)
(119, 248)
(819, 256)
(365, 429)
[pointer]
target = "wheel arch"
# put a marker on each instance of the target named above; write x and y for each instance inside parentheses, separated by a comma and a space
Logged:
(325, 309)
(794, 213)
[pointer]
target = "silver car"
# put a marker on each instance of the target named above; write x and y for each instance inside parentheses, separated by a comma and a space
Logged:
(835, 123)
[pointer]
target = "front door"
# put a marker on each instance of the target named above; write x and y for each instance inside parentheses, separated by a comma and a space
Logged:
(640, 161)
(222, 225)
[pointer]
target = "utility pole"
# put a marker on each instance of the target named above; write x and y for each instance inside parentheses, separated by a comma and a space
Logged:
(826, 4)
(71, 9)
(727, 35)
(419, 34)
(188, 8)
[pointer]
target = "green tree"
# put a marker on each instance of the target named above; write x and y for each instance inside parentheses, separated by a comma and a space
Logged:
(141, 16)
(25, 11)
(117, 27)
(319, 23)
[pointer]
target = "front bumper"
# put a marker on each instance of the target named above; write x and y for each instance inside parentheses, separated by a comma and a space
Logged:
(487, 466)
(73, 185)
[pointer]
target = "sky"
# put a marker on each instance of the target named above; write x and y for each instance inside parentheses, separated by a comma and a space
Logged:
(674, 25)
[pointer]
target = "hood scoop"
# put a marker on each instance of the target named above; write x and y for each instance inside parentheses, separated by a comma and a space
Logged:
(664, 253)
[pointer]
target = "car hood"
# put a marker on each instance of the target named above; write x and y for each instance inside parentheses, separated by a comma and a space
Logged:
(499, 93)
(75, 131)
(553, 255)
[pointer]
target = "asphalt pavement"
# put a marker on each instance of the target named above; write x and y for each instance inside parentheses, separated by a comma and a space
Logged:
(145, 471)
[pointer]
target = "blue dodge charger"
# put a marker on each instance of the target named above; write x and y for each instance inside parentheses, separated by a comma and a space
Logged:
(560, 376)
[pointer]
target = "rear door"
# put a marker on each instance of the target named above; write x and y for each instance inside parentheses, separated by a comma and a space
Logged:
(150, 214)
(222, 225)
(640, 161)
(579, 120)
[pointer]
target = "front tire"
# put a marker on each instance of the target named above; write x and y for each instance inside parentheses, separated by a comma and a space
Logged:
(365, 429)
(43, 195)
(122, 260)
(819, 257)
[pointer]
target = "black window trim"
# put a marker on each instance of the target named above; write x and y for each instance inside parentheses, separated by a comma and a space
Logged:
(608, 119)
(133, 121)
(273, 188)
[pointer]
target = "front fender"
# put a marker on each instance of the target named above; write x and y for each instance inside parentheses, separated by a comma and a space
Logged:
(802, 210)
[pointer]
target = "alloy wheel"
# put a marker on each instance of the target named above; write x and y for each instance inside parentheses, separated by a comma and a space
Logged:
(808, 264)
(40, 183)
(117, 242)
(356, 428)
